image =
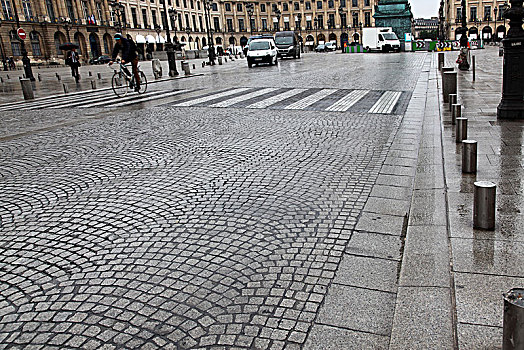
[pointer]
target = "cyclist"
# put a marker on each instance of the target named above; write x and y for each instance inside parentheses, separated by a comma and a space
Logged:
(129, 55)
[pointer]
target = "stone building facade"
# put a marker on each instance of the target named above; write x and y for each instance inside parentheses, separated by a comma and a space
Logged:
(92, 23)
(484, 19)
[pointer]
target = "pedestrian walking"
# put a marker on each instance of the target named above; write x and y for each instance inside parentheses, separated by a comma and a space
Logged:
(73, 61)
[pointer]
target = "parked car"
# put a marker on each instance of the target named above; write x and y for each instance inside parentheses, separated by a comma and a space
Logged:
(100, 60)
(320, 48)
(262, 51)
(287, 44)
(330, 46)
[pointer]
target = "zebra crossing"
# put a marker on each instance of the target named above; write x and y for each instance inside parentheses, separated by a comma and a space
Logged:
(313, 99)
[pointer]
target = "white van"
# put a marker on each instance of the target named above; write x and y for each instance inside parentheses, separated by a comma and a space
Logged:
(262, 51)
(380, 39)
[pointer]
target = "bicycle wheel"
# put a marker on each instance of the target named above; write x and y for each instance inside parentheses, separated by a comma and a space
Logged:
(119, 84)
(143, 83)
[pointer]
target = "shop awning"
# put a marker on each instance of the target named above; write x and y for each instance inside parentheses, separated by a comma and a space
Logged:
(150, 39)
(139, 39)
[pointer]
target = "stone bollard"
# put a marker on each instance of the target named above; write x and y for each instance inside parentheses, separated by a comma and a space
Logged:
(90, 74)
(39, 77)
(194, 67)
(452, 100)
(447, 69)
(93, 84)
(66, 88)
(203, 64)
(484, 199)
(456, 112)
(513, 324)
(469, 156)
(58, 76)
(27, 89)
(449, 84)
(219, 61)
(461, 130)
(440, 60)
(99, 76)
(185, 67)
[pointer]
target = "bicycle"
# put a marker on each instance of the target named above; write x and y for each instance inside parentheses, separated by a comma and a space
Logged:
(123, 81)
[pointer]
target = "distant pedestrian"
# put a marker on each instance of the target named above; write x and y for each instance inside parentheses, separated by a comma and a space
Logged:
(73, 61)
(11, 62)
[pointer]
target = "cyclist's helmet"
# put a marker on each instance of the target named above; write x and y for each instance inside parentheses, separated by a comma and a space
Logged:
(118, 36)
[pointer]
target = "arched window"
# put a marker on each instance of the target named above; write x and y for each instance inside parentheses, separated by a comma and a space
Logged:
(35, 43)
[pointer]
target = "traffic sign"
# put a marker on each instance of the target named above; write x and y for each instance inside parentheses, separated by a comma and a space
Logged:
(21, 34)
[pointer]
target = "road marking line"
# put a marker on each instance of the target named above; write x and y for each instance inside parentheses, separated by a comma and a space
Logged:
(149, 98)
(311, 99)
(386, 103)
(211, 97)
(233, 100)
(41, 103)
(277, 98)
(347, 101)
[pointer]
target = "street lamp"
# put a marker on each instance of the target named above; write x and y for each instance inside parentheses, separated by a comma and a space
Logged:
(118, 8)
(66, 24)
(299, 20)
(278, 13)
(464, 50)
(512, 104)
(505, 7)
(315, 23)
(25, 60)
(250, 8)
(342, 25)
(4, 59)
(210, 47)
(169, 48)
(188, 31)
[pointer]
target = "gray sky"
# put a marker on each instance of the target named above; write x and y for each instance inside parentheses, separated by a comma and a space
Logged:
(425, 8)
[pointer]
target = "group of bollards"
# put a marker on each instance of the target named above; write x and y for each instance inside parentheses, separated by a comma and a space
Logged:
(484, 205)
(485, 191)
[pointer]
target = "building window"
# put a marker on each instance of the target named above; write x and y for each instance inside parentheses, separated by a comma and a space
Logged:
(331, 21)
(487, 13)
(297, 6)
(153, 17)
(6, 7)
(473, 13)
(85, 11)
(70, 11)
(188, 25)
(355, 19)
(274, 7)
(366, 3)
(185, 3)
(241, 26)
(239, 7)
(180, 24)
(252, 24)
(229, 22)
(320, 21)
(35, 44)
(354, 3)
(192, 3)
(201, 23)
(194, 23)
(214, 6)
(343, 20)
(331, 4)
(262, 8)
(228, 6)
(286, 26)
(99, 12)
(264, 24)
(459, 14)
(144, 18)
(308, 25)
(367, 19)
(50, 10)
(285, 7)
(28, 11)
(308, 5)
(135, 17)
(319, 5)
(216, 24)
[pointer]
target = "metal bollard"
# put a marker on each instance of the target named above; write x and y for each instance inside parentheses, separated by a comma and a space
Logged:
(58, 76)
(484, 199)
(440, 60)
(99, 75)
(501, 51)
(456, 112)
(469, 156)
(447, 69)
(452, 100)
(93, 84)
(39, 77)
(90, 74)
(473, 63)
(66, 88)
(513, 325)
(203, 64)
(185, 67)
(27, 89)
(219, 61)
(225, 59)
(449, 84)
(194, 67)
(8, 76)
(461, 130)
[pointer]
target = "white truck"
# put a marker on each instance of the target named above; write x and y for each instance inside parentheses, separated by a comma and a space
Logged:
(380, 39)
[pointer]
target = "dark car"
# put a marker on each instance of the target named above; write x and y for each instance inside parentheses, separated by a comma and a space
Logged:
(288, 44)
(100, 60)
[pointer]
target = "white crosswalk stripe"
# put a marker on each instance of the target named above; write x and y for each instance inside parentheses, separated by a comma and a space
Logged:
(347, 101)
(311, 99)
(386, 103)
(275, 99)
(211, 97)
(233, 100)
(50, 100)
(154, 96)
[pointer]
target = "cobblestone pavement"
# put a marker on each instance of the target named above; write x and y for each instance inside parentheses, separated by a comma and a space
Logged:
(194, 227)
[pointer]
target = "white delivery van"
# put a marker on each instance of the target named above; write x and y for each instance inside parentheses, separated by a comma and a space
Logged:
(380, 39)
